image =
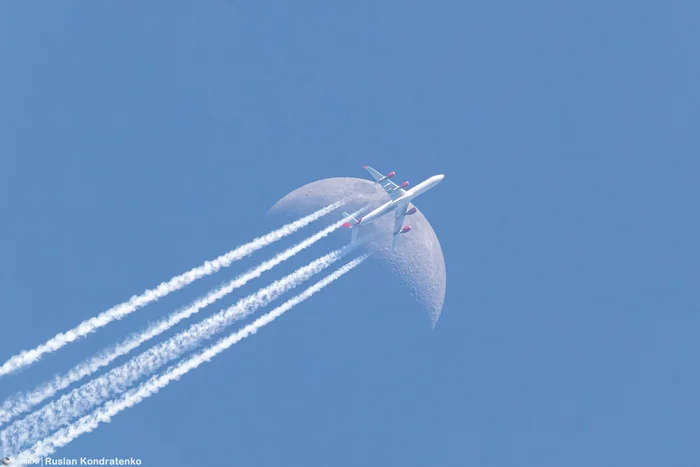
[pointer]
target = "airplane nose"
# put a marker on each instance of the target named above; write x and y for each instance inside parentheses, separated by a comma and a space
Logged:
(440, 177)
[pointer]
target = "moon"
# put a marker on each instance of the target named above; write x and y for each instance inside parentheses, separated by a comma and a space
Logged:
(417, 259)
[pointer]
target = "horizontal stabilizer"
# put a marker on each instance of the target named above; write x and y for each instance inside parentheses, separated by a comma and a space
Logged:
(354, 221)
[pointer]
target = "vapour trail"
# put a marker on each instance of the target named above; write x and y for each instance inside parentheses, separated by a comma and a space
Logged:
(27, 357)
(104, 414)
(23, 402)
(72, 405)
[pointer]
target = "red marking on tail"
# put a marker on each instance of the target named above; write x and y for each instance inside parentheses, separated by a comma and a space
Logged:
(347, 225)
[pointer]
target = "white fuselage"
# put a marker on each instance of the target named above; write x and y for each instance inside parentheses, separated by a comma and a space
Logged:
(405, 199)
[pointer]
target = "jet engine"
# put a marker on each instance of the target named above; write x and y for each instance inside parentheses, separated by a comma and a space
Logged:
(405, 229)
(390, 174)
(404, 184)
(413, 210)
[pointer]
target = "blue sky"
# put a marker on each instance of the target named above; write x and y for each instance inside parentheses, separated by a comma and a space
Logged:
(138, 140)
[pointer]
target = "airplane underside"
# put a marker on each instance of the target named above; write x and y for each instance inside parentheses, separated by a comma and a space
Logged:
(400, 200)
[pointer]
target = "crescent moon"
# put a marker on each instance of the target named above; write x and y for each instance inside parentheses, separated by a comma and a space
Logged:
(417, 259)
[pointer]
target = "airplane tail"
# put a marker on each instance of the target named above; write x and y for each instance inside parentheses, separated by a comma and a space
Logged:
(353, 226)
(349, 216)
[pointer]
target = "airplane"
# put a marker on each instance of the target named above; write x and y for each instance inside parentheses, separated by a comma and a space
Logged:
(400, 199)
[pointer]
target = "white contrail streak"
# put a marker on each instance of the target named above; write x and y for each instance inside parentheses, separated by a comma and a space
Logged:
(27, 357)
(104, 414)
(23, 402)
(58, 413)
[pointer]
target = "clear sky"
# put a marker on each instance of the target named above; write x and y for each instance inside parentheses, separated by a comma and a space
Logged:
(138, 139)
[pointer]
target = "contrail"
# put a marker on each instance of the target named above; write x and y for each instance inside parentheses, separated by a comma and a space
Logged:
(27, 357)
(104, 414)
(58, 413)
(23, 402)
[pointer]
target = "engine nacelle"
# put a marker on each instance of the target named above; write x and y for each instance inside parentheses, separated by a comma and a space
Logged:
(390, 174)
(413, 210)
(404, 184)
(406, 229)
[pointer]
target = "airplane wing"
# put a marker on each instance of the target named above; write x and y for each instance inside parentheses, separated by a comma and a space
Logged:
(390, 187)
(400, 214)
